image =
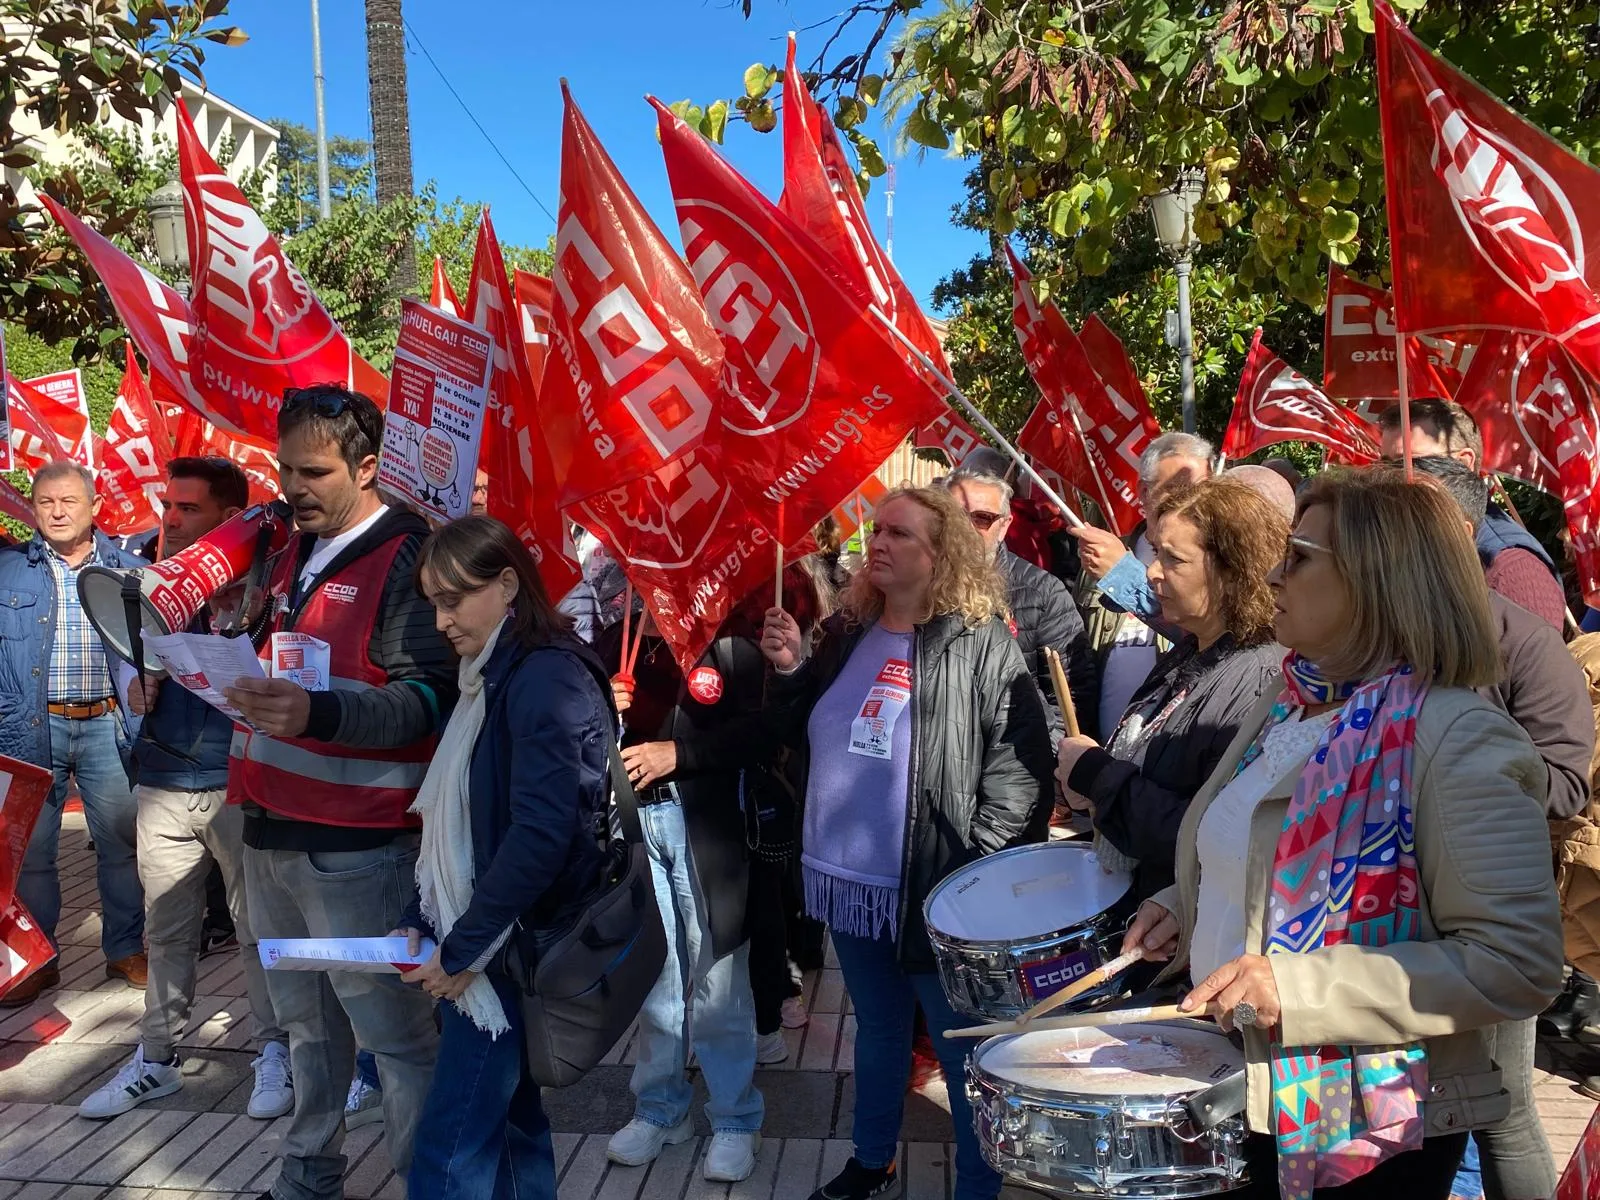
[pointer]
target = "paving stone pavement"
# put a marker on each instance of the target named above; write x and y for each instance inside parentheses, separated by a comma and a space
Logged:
(198, 1144)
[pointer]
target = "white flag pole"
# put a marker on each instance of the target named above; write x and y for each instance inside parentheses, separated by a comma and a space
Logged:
(982, 421)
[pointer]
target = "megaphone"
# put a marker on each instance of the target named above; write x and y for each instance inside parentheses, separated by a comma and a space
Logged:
(126, 606)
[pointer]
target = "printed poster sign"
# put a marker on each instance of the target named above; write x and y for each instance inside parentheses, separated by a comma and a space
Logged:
(438, 393)
(67, 413)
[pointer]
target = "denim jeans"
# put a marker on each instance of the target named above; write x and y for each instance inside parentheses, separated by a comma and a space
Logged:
(484, 1135)
(87, 751)
(710, 997)
(357, 893)
(367, 1070)
(1510, 1160)
(886, 999)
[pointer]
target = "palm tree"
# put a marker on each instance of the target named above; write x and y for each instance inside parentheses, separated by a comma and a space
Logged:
(391, 118)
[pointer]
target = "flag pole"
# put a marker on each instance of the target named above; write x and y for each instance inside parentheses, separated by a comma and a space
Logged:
(982, 421)
(777, 580)
(627, 626)
(1405, 404)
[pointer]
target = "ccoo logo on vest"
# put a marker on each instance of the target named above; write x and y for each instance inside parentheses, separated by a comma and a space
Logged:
(170, 594)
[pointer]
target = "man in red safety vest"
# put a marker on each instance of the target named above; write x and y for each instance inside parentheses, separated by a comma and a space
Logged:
(327, 777)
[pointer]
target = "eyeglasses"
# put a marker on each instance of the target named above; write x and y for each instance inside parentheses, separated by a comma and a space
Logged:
(983, 521)
(1296, 550)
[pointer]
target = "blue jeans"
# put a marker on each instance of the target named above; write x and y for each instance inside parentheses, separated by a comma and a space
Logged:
(367, 1070)
(886, 998)
(723, 1016)
(483, 1133)
(87, 751)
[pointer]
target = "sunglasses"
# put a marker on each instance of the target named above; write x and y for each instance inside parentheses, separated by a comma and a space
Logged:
(983, 521)
(320, 401)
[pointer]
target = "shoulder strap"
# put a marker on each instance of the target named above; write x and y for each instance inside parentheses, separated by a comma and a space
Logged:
(626, 800)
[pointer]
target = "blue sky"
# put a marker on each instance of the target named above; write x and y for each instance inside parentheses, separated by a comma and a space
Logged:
(504, 57)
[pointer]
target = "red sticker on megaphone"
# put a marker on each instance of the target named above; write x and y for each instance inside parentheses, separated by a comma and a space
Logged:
(705, 685)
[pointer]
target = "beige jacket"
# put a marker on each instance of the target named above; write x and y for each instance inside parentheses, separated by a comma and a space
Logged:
(1490, 947)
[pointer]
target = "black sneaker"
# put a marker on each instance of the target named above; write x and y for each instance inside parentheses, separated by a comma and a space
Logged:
(216, 941)
(856, 1182)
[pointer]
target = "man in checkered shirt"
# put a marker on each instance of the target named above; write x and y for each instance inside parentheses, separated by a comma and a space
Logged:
(58, 710)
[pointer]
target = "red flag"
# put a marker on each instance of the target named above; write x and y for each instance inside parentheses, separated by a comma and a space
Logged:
(197, 437)
(1275, 403)
(515, 453)
(1077, 430)
(443, 295)
(158, 320)
(635, 379)
(951, 435)
(1109, 358)
(535, 299)
(33, 441)
(1358, 337)
(815, 394)
(1490, 218)
(258, 329)
(23, 788)
(63, 405)
(15, 505)
(133, 457)
(24, 948)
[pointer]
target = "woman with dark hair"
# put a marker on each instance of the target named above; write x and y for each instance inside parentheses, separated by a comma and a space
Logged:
(1215, 542)
(514, 811)
(1364, 885)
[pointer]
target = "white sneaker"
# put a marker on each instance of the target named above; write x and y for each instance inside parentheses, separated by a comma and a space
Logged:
(638, 1142)
(363, 1105)
(731, 1156)
(771, 1048)
(794, 1013)
(273, 1094)
(130, 1087)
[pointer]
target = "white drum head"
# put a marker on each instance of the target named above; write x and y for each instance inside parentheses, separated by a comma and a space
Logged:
(1158, 1059)
(1024, 893)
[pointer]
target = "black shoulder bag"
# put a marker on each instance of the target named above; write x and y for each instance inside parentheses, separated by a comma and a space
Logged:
(588, 980)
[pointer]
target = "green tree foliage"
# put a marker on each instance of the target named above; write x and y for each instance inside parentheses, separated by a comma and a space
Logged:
(67, 66)
(1074, 114)
(349, 173)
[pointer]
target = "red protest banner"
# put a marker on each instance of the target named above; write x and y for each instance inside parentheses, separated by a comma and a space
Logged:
(193, 436)
(636, 372)
(1488, 214)
(815, 393)
(443, 296)
(23, 788)
(535, 298)
(23, 946)
(1109, 358)
(33, 441)
(64, 407)
(1358, 348)
(133, 457)
(1076, 430)
(1275, 403)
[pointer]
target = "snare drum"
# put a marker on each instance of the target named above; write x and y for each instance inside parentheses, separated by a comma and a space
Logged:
(1012, 928)
(1099, 1112)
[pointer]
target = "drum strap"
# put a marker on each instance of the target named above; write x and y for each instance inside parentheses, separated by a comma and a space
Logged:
(1217, 1103)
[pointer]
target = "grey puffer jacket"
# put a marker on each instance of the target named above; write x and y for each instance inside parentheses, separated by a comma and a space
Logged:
(981, 759)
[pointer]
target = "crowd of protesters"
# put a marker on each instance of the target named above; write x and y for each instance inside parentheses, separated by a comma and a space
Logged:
(1373, 658)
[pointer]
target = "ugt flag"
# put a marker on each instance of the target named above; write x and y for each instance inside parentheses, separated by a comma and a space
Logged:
(1275, 403)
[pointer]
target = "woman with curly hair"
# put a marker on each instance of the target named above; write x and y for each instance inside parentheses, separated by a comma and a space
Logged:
(928, 748)
(1215, 543)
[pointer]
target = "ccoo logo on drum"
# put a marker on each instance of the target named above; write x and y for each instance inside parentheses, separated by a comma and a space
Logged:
(1050, 976)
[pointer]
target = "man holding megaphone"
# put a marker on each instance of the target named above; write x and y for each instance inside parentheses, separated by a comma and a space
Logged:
(180, 770)
(328, 774)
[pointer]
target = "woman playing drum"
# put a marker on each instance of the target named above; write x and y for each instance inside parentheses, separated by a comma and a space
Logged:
(1365, 884)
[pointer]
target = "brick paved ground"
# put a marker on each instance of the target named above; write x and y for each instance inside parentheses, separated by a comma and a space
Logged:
(199, 1145)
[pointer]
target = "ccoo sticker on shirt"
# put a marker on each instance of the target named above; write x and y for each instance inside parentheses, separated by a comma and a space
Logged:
(872, 732)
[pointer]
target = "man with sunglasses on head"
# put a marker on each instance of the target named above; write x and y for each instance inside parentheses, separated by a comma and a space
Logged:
(1042, 613)
(185, 827)
(327, 779)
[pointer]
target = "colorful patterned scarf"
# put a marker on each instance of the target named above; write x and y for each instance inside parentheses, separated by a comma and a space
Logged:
(1350, 821)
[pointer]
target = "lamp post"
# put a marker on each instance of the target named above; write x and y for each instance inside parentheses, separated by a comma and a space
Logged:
(1173, 209)
(165, 207)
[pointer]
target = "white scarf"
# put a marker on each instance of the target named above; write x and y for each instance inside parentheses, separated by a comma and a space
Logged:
(445, 868)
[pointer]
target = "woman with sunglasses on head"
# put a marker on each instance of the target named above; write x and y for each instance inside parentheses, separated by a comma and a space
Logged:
(1214, 541)
(514, 825)
(1364, 885)
(927, 747)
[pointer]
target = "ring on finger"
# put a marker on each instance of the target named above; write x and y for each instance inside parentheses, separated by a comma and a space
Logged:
(1244, 1014)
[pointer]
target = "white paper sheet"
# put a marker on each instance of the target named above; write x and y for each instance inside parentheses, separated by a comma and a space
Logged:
(371, 955)
(302, 659)
(206, 663)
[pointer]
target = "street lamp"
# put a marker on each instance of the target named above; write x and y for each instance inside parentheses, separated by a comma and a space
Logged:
(165, 207)
(1173, 209)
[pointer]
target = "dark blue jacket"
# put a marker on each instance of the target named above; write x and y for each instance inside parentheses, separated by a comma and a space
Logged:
(27, 636)
(539, 787)
(1500, 531)
(183, 743)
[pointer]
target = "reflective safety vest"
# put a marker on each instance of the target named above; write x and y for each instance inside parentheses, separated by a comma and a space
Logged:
(309, 780)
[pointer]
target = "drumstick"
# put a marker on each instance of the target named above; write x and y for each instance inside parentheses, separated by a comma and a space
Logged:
(1090, 1020)
(1098, 976)
(1058, 679)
